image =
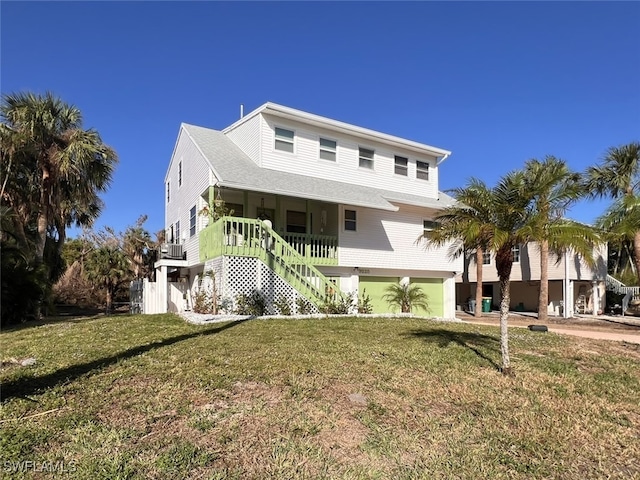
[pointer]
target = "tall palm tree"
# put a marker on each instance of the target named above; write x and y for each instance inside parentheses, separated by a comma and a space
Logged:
(464, 227)
(618, 177)
(72, 164)
(555, 188)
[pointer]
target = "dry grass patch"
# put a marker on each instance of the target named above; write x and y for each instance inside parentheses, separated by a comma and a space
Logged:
(153, 397)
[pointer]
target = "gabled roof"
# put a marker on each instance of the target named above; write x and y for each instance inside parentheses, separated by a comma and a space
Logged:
(323, 122)
(234, 169)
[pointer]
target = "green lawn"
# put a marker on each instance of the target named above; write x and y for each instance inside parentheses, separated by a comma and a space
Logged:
(154, 397)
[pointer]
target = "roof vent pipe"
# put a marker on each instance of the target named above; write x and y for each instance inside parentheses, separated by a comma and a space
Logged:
(241, 110)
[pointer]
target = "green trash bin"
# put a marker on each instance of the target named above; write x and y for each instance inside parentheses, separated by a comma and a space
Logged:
(486, 304)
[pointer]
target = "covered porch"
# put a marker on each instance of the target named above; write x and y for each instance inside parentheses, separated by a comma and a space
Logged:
(310, 227)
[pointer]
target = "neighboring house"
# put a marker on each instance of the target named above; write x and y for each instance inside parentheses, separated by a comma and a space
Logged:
(571, 281)
(317, 208)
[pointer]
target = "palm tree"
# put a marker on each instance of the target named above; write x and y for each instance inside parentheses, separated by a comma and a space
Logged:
(618, 177)
(554, 189)
(464, 227)
(406, 296)
(72, 164)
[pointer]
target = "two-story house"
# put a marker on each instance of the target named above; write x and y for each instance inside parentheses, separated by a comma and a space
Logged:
(573, 283)
(314, 207)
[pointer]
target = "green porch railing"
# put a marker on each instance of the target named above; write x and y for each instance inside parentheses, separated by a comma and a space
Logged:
(246, 237)
(317, 249)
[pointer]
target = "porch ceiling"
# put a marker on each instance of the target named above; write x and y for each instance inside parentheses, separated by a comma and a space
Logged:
(234, 169)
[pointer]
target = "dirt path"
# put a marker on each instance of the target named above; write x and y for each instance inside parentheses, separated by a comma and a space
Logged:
(621, 329)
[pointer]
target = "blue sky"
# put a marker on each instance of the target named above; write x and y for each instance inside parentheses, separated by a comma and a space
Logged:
(495, 83)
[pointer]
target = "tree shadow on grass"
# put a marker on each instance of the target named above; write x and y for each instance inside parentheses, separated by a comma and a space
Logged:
(476, 342)
(24, 387)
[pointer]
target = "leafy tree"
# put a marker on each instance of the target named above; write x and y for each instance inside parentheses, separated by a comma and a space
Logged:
(108, 267)
(406, 297)
(618, 177)
(554, 188)
(464, 226)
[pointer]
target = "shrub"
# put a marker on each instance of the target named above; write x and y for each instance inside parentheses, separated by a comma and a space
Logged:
(283, 305)
(304, 306)
(364, 303)
(407, 297)
(340, 306)
(253, 304)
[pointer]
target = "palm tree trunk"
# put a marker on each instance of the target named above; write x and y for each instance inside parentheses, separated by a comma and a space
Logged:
(43, 220)
(478, 312)
(504, 262)
(505, 299)
(543, 298)
(636, 253)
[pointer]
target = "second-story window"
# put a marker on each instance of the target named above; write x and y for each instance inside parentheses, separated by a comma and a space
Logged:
(178, 231)
(168, 192)
(284, 140)
(180, 174)
(428, 225)
(422, 170)
(328, 149)
(486, 258)
(365, 158)
(401, 166)
(192, 221)
(516, 253)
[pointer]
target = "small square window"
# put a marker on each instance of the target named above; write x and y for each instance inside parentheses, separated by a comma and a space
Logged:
(401, 166)
(365, 157)
(350, 220)
(328, 149)
(192, 221)
(422, 170)
(429, 225)
(284, 140)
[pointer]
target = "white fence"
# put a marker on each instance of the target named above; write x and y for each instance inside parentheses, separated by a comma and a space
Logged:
(147, 297)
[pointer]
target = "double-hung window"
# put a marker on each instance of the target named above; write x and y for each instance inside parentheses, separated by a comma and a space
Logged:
(365, 158)
(401, 165)
(422, 170)
(350, 220)
(284, 140)
(328, 149)
(192, 221)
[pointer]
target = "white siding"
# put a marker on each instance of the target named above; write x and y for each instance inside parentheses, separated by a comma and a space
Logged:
(195, 181)
(247, 137)
(305, 159)
(388, 240)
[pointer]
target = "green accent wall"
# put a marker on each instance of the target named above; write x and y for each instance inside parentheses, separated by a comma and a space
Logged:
(434, 289)
(375, 288)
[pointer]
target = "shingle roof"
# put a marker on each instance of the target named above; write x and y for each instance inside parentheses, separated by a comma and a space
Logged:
(234, 169)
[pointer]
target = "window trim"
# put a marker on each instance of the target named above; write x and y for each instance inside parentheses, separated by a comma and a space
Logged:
(350, 221)
(422, 170)
(192, 221)
(396, 166)
(362, 158)
(286, 140)
(325, 149)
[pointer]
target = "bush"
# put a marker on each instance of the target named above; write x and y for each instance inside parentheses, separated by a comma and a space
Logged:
(282, 305)
(253, 304)
(364, 303)
(340, 306)
(304, 306)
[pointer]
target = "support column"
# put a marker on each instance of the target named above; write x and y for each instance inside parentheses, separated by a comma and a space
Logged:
(162, 286)
(567, 309)
(596, 297)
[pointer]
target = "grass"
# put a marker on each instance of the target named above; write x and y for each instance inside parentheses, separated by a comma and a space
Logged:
(153, 397)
